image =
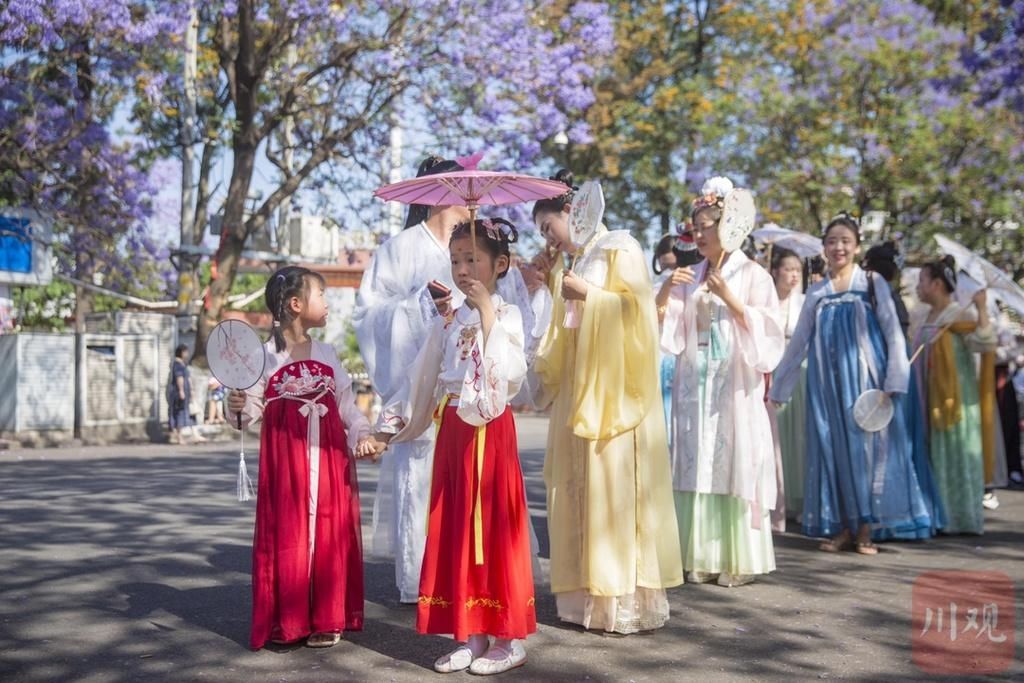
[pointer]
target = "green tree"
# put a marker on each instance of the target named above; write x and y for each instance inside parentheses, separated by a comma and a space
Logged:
(861, 105)
(654, 100)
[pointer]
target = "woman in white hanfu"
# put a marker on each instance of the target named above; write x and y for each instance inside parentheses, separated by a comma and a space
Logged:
(393, 316)
(789, 419)
(725, 327)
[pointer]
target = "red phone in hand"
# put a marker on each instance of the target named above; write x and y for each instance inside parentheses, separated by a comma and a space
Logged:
(438, 290)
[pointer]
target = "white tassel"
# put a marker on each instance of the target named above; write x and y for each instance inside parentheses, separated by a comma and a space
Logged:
(245, 489)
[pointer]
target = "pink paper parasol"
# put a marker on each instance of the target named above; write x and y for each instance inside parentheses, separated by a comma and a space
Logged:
(471, 189)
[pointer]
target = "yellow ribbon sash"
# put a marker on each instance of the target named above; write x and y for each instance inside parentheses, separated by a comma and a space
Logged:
(480, 440)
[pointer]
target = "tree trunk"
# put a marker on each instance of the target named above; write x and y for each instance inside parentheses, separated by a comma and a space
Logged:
(244, 144)
(232, 241)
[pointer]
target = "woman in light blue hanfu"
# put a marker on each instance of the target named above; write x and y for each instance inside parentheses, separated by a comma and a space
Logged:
(858, 485)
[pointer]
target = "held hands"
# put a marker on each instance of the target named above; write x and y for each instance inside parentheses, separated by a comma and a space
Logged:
(573, 287)
(980, 299)
(372, 446)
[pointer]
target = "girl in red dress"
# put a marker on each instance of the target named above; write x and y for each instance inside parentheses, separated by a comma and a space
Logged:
(477, 579)
(307, 560)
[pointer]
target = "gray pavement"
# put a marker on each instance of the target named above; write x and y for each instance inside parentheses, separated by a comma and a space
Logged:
(131, 563)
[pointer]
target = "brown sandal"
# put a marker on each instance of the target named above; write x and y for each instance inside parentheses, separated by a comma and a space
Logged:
(838, 544)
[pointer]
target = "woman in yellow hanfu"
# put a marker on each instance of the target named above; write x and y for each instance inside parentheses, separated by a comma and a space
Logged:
(947, 380)
(611, 522)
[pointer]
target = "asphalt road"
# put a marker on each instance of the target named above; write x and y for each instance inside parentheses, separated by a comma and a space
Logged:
(131, 563)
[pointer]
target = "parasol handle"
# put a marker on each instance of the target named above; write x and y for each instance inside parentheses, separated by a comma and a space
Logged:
(920, 348)
(472, 235)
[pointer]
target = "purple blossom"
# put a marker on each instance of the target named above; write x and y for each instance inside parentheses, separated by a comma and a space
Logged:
(998, 62)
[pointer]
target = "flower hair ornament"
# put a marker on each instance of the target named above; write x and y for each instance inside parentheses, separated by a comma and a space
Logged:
(712, 193)
(500, 230)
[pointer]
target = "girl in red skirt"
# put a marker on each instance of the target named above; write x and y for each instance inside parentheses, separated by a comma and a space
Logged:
(307, 560)
(477, 580)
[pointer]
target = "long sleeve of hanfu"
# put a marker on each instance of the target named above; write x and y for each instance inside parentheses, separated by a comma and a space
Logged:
(496, 371)
(787, 373)
(983, 339)
(356, 425)
(545, 377)
(762, 339)
(615, 382)
(391, 320)
(410, 410)
(673, 327)
(897, 372)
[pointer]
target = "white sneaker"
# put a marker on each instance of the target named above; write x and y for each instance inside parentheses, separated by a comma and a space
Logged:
(458, 659)
(732, 580)
(989, 501)
(499, 659)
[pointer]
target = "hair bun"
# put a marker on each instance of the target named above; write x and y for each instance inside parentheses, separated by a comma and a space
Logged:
(427, 164)
(564, 175)
(949, 262)
(510, 235)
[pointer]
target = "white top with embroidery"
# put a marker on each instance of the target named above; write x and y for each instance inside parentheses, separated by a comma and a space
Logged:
(302, 382)
(455, 360)
(394, 311)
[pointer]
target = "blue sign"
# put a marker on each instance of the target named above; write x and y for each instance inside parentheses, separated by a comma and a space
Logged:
(15, 244)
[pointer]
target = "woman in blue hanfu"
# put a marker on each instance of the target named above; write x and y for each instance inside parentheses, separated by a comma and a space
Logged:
(858, 485)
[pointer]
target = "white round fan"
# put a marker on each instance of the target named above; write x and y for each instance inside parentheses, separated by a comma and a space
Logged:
(237, 359)
(873, 410)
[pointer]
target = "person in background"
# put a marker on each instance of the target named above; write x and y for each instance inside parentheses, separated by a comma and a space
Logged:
(885, 260)
(179, 398)
(790, 419)
(947, 382)
(664, 264)
(215, 402)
